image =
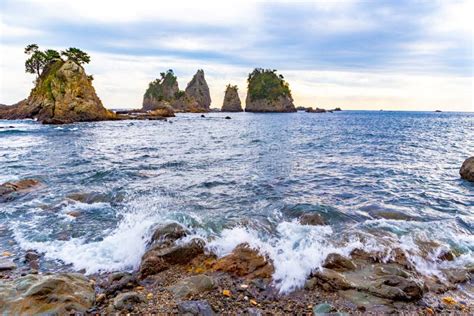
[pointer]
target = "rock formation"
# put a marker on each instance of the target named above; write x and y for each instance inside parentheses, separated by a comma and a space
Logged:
(63, 94)
(268, 92)
(161, 90)
(199, 90)
(467, 169)
(231, 100)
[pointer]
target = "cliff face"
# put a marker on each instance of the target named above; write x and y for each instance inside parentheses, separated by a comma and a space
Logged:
(231, 100)
(268, 92)
(63, 94)
(199, 90)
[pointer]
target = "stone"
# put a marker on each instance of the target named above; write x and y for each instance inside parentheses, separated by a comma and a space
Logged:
(231, 100)
(127, 300)
(11, 190)
(170, 232)
(338, 263)
(368, 302)
(63, 94)
(7, 264)
(160, 258)
(57, 294)
(118, 282)
(313, 219)
(198, 89)
(32, 258)
(331, 280)
(227, 118)
(192, 285)
(251, 311)
(195, 308)
(467, 169)
(457, 275)
(245, 261)
(323, 308)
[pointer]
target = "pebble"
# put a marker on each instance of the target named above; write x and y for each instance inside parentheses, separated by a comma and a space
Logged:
(226, 293)
(149, 296)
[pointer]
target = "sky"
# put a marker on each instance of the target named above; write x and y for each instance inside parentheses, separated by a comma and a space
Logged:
(354, 54)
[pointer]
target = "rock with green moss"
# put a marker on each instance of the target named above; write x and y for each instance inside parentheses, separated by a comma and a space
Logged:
(198, 89)
(63, 94)
(268, 92)
(231, 100)
(161, 89)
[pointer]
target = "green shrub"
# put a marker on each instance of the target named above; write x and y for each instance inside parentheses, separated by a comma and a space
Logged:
(266, 84)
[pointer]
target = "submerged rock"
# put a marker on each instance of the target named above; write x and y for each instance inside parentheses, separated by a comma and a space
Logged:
(198, 89)
(63, 94)
(467, 169)
(10, 190)
(268, 92)
(231, 100)
(314, 219)
(46, 294)
(245, 261)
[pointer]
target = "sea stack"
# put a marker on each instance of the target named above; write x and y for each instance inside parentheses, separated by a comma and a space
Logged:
(268, 92)
(161, 91)
(63, 94)
(231, 100)
(198, 89)
(467, 169)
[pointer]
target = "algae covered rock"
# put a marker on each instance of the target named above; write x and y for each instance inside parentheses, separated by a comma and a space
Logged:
(63, 94)
(231, 100)
(198, 89)
(268, 92)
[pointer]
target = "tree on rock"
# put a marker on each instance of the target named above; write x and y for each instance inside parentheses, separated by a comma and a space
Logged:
(75, 54)
(38, 59)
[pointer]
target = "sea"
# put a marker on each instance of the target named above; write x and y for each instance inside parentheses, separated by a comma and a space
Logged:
(381, 179)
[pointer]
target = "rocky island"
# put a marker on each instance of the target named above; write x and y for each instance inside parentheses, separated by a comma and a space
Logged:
(268, 92)
(163, 94)
(63, 92)
(231, 100)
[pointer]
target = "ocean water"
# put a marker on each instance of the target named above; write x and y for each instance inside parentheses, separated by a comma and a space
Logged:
(247, 179)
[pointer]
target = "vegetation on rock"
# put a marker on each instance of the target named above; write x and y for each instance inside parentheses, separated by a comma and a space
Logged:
(266, 84)
(164, 88)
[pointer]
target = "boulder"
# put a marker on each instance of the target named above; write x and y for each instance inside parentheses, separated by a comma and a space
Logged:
(467, 169)
(62, 94)
(11, 190)
(58, 294)
(331, 280)
(245, 261)
(231, 100)
(268, 92)
(198, 89)
(339, 263)
(192, 285)
(195, 308)
(7, 264)
(127, 300)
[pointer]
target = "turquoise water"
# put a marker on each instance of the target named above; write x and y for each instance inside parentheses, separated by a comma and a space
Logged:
(244, 179)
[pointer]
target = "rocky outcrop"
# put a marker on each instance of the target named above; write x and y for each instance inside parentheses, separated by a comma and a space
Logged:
(198, 89)
(268, 92)
(467, 169)
(186, 103)
(58, 294)
(163, 251)
(231, 100)
(63, 94)
(11, 190)
(164, 89)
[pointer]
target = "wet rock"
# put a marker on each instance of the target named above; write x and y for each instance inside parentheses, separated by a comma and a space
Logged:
(118, 282)
(467, 169)
(339, 263)
(227, 117)
(331, 280)
(11, 190)
(323, 308)
(244, 261)
(231, 100)
(457, 275)
(74, 213)
(446, 255)
(161, 257)
(128, 300)
(32, 259)
(363, 255)
(7, 264)
(46, 294)
(168, 233)
(192, 285)
(397, 288)
(312, 219)
(89, 197)
(316, 110)
(195, 308)
(368, 302)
